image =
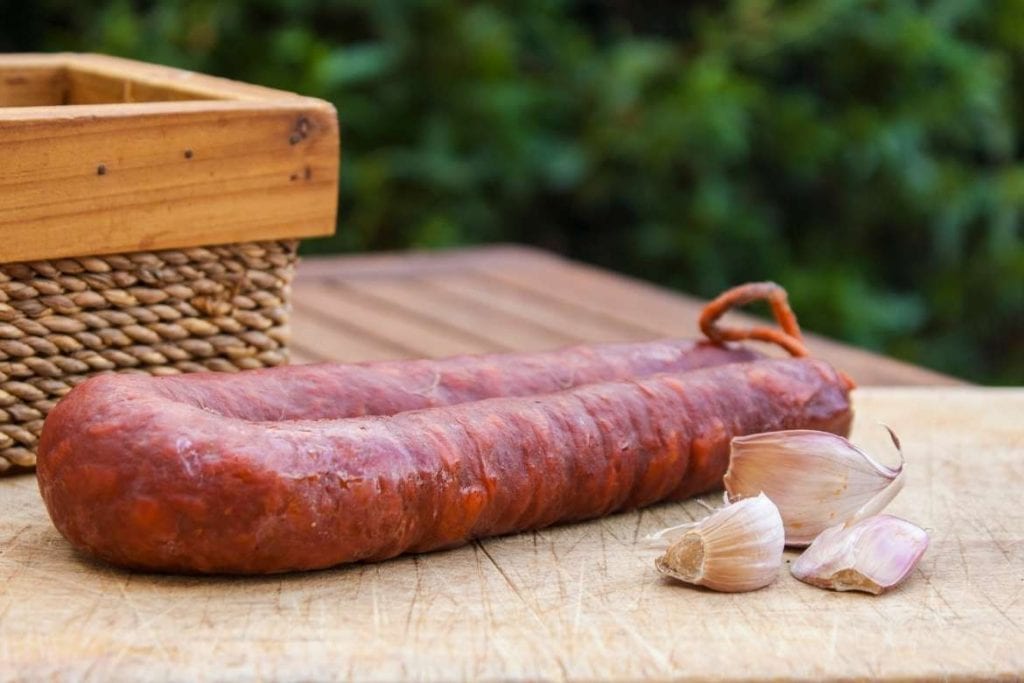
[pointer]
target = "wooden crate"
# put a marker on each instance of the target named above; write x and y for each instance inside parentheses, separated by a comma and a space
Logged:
(149, 220)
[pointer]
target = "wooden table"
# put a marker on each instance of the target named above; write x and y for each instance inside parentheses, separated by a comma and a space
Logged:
(577, 601)
(505, 298)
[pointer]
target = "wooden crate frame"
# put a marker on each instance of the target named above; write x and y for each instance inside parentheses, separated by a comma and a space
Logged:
(102, 155)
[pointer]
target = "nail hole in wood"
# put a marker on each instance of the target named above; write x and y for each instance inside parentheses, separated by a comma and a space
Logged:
(188, 154)
(300, 131)
(101, 169)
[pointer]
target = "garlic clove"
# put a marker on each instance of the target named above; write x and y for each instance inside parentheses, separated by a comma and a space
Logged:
(737, 548)
(817, 479)
(871, 555)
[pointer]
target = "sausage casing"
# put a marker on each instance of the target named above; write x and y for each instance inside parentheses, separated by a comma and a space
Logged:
(164, 476)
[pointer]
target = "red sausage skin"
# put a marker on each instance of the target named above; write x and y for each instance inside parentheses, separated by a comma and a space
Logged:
(143, 474)
(336, 390)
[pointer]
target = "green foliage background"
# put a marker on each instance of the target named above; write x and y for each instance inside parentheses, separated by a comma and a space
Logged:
(868, 155)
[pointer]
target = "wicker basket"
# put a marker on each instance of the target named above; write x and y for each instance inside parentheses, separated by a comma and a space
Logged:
(221, 308)
(118, 177)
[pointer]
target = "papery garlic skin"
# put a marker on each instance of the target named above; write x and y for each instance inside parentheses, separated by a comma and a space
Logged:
(872, 555)
(737, 548)
(817, 479)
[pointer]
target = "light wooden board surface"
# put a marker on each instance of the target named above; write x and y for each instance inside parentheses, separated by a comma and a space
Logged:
(571, 602)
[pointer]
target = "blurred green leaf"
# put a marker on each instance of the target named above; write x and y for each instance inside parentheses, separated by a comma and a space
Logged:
(353, 65)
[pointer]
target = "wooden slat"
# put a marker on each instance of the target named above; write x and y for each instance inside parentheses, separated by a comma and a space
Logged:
(414, 263)
(528, 284)
(244, 163)
(320, 339)
(91, 88)
(392, 329)
(130, 178)
(531, 310)
(166, 78)
(494, 328)
(27, 86)
(199, 86)
(86, 87)
(641, 304)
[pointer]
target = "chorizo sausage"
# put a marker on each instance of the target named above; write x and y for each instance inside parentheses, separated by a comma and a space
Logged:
(335, 390)
(143, 473)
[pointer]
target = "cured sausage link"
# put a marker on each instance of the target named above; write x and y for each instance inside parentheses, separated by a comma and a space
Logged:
(136, 475)
(335, 390)
(330, 391)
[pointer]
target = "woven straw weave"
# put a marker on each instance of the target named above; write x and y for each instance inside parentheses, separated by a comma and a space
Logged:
(219, 308)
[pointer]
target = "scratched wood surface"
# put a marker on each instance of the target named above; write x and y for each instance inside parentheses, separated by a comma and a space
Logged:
(571, 602)
(579, 601)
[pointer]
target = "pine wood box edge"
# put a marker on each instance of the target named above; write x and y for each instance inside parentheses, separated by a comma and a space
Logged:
(122, 156)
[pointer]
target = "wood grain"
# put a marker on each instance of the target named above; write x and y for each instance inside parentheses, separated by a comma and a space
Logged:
(159, 77)
(571, 602)
(148, 77)
(91, 87)
(32, 85)
(501, 298)
(388, 328)
(144, 157)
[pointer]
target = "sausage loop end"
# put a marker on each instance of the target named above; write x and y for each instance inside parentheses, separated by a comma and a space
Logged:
(787, 335)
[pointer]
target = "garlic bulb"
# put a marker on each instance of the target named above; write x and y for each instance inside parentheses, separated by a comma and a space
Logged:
(817, 479)
(737, 548)
(872, 555)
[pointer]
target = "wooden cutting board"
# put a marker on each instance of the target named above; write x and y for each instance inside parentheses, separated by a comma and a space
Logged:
(573, 602)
